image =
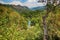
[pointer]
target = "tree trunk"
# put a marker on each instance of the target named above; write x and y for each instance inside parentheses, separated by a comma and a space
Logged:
(45, 29)
(45, 23)
(49, 8)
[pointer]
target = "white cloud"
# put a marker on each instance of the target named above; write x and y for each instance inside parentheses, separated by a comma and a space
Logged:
(34, 4)
(16, 3)
(29, 3)
(13, 3)
(32, 1)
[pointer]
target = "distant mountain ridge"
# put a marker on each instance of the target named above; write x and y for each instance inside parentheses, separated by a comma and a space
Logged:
(38, 8)
(23, 9)
(19, 8)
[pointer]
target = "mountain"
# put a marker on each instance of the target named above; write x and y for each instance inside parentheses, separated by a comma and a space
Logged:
(21, 9)
(38, 8)
(18, 8)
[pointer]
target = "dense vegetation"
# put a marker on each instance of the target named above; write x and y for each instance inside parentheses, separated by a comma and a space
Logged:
(15, 25)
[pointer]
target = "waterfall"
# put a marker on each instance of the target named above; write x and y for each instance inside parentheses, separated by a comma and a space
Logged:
(29, 23)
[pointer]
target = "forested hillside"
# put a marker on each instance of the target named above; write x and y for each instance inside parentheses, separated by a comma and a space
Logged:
(28, 25)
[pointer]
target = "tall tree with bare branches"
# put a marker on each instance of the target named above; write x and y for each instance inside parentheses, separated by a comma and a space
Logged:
(49, 8)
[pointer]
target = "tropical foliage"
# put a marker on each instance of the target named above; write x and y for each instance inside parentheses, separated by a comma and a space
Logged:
(16, 26)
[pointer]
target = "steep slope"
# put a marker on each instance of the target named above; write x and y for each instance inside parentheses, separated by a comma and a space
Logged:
(21, 9)
(9, 17)
(13, 25)
(18, 8)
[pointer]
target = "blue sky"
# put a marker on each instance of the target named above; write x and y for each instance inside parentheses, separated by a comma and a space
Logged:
(14, 0)
(28, 3)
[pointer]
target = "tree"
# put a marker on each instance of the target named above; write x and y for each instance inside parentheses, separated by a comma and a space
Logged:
(51, 4)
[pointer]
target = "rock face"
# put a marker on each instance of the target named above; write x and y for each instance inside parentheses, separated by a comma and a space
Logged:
(19, 7)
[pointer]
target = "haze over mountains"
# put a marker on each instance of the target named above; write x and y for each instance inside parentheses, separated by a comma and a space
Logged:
(24, 8)
(28, 3)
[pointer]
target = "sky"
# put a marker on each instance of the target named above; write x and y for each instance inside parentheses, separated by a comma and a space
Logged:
(28, 3)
